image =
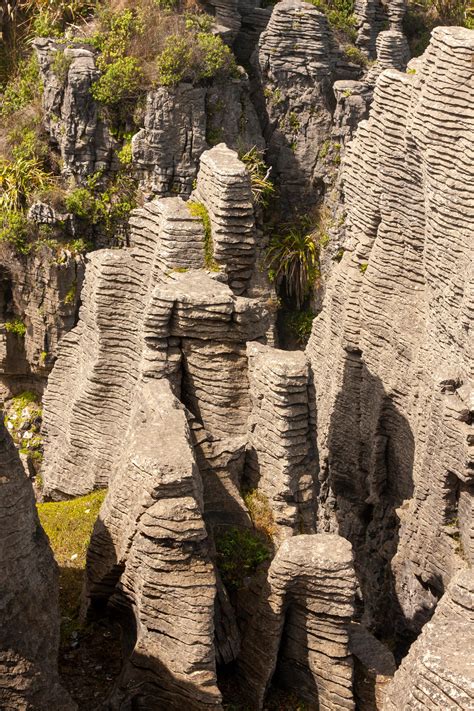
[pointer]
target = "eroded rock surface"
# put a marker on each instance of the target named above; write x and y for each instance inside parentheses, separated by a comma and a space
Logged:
(308, 597)
(29, 622)
(149, 559)
(438, 672)
(391, 351)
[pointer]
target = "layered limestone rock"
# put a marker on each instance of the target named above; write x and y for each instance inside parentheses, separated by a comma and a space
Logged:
(438, 672)
(223, 186)
(281, 460)
(294, 65)
(148, 559)
(391, 353)
(181, 122)
(71, 115)
(29, 623)
(300, 627)
(177, 320)
(39, 296)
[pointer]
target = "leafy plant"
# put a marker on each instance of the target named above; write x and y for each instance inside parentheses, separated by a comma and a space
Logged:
(262, 186)
(19, 179)
(340, 15)
(60, 65)
(293, 258)
(300, 324)
(16, 326)
(260, 512)
(194, 57)
(355, 55)
(23, 87)
(239, 553)
(197, 209)
(121, 80)
(14, 229)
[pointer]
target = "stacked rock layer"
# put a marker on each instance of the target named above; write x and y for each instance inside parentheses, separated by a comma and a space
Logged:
(391, 351)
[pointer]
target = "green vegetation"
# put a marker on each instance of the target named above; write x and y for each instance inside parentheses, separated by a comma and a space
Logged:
(355, 55)
(299, 324)
(239, 553)
(194, 57)
(363, 267)
(103, 203)
(71, 294)
(293, 260)
(19, 179)
(423, 15)
(16, 326)
(60, 65)
(340, 15)
(68, 525)
(197, 209)
(262, 187)
(23, 88)
(260, 512)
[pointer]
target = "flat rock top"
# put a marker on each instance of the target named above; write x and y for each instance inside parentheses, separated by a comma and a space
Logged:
(281, 362)
(316, 550)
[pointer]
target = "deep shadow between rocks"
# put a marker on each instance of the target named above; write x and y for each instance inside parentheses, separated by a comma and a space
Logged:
(367, 475)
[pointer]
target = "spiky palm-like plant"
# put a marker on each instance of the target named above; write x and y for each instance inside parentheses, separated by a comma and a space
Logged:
(293, 256)
(19, 179)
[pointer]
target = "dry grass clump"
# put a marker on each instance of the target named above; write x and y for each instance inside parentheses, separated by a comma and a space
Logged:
(261, 513)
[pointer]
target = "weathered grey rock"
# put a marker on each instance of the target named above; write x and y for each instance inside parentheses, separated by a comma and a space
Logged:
(309, 594)
(294, 65)
(180, 123)
(391, 351)
(71, 115)
(374, 667)
(145, 307)
(254, 19)
(438, 672)
(148, 559)
(29, 620)
(41, 291)
(281, 461)
(223, 186)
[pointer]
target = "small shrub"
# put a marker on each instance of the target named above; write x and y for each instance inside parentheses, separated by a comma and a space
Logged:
(363, 267)
(19, 179)
(174, 61)
(23, 88)
(125, 153)
(122, 79)
(355, 55)
(260, 512)
(216, 57)
(14, 229)
(262, 186)
(293, 258)
(16, 326)
(300, 323)
(71, 294)
(239, 553)
(197, 209)
(60, 65)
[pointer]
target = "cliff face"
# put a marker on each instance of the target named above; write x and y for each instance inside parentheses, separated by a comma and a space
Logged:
(337, 480)
(29, 624)
(391, 350)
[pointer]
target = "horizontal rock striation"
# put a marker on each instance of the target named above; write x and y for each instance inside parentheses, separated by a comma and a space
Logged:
(144, 308)
(71, 115)
(181, 123)
(29, 624)
(438, 672)
(294, 65)
(307, 602)
(391, 352)
(281, 459)
(223, 186)
(148, 559)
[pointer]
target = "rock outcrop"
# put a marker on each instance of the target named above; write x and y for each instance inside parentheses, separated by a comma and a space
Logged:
(438, 672)
(39, 296)
(281, 462)
(29, 623)
(71, 115)
(308, 596)
(181, 123)
(391, 352)
(149, 559)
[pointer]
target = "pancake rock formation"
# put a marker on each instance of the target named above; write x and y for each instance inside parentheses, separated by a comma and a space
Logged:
(29, 624)
(392, 349)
